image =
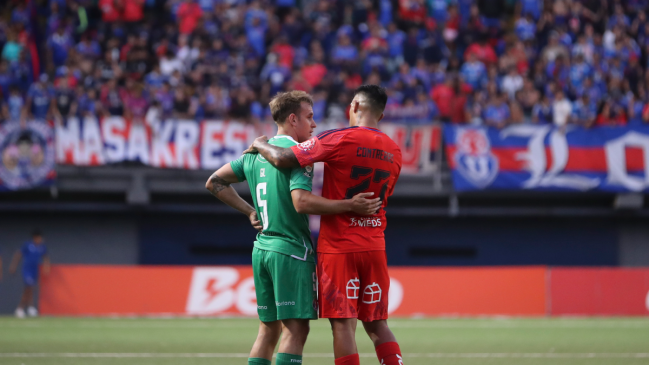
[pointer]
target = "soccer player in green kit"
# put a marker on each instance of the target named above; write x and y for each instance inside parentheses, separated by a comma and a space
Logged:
(282, 258)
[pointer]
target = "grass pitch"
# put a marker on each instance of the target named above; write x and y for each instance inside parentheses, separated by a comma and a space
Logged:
(144, 341)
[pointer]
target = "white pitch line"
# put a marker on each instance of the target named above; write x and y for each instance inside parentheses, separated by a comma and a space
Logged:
(214, 325)
(540, 355)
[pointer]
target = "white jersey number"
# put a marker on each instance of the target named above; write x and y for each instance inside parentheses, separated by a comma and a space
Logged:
(261, 189)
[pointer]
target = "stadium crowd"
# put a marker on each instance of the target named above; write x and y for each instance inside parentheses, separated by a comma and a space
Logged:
(485, 62)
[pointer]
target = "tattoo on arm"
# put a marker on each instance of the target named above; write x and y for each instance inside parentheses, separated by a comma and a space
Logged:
(287, 155)
(218, 184)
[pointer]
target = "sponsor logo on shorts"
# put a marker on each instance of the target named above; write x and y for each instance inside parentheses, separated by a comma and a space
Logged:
(372, 294)
(353, 286)
(365, 222)
(296, 360)
(280, 304)
(262, 307)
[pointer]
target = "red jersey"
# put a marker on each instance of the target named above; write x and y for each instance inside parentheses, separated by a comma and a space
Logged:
(357, 160)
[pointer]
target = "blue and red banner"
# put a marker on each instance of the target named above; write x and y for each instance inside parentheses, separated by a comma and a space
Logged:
(535, 157)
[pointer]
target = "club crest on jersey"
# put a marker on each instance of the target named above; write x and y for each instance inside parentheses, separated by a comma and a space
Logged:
(262, 172)
(307, 145)
(473, 157)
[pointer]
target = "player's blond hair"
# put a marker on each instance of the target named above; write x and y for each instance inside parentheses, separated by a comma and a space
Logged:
(285, 104)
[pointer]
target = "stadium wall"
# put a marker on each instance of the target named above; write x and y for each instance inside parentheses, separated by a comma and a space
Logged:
(148, 238)
(74, 290)
(71, 239)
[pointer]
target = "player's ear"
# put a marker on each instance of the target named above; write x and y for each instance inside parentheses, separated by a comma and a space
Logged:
(356, 106)
(381, 117)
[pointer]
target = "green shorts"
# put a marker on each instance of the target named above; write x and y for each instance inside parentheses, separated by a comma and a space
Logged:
(286, 287)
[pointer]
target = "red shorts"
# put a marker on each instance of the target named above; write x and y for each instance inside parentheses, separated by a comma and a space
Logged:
(353, 285)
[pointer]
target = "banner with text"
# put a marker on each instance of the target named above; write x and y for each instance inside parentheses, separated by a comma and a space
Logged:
(189, 144)
(546, 158)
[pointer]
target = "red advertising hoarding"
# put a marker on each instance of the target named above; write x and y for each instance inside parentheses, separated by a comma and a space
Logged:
(599, 291)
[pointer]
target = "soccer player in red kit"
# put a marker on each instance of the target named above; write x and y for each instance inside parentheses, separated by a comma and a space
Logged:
(352, 265)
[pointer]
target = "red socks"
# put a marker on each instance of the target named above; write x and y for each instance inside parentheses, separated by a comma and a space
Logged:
(348, 360)
(389, 353)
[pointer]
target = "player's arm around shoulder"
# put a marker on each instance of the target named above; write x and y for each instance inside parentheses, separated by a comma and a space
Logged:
(306, 202)
(279, 157)
(219, 184)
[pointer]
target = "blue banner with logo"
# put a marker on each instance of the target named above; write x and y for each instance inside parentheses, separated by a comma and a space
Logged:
(542, 157)
(28, 156)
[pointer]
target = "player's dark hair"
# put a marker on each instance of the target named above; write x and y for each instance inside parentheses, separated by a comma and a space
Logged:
(376, 96)
(285, 104)
(37, 233)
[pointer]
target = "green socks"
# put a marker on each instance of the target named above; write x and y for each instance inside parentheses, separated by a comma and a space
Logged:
(282, 359)
(258, 361)
(288, 359)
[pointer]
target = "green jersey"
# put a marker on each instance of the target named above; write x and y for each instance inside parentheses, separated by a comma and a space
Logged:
(284, 230)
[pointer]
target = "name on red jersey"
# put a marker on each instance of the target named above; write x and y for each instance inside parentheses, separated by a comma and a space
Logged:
(375, 153)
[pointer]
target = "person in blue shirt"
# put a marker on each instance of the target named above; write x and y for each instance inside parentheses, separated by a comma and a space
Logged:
(497, 113)
(32, 253)
(39, 99)
(395, 39)
(531, 7)
(579, 71)
(474, 72)
(525, 28)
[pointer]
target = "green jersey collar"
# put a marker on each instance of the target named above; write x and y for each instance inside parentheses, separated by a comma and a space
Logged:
(284, 136)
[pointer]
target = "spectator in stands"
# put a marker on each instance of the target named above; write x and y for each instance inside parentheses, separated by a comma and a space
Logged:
(135, 103)
(14, 105)
(58, 46)
(111, 99)
(12, 48)
(584, 49)
(32, 253)
(561, 109)
(497, 114)
(39, 99)
(188, 15)
(442, 95)
(65, 103)
(6, 79)
(610, 115)
(542, 112)
(88, 102)
(474, 72)
(111, 10)
(512, 83)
